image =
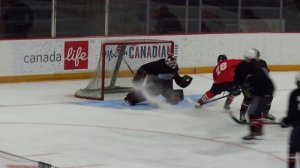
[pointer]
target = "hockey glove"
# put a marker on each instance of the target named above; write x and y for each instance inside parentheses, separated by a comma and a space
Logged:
(284, 123)
(235, 92)
(247, 89)
(185, 81)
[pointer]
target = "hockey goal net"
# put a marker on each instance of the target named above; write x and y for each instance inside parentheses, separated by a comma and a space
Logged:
(119, 60)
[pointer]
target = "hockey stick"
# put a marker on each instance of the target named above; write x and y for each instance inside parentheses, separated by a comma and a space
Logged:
(128, 66)
(197, 105)
(263, 121)
(231, 115)
(216, 99)
(266, 121)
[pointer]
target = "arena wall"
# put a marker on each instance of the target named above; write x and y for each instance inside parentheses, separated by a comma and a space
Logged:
(57, 59)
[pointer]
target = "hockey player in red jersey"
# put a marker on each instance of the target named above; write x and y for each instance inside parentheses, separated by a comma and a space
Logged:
(156, 78)
(223, 75)
(292, 119)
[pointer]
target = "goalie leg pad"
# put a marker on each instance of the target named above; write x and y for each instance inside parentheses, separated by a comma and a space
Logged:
(133, 98)
(153, 85)
(174, 96)
(139, 76)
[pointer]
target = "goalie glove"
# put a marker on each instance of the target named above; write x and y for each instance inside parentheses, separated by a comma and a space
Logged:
(185, 81)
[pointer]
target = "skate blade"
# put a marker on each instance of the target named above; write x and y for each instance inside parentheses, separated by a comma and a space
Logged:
(198, 106)
(251, 142)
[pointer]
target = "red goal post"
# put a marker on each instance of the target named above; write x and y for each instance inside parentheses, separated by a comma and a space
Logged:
(118, 62)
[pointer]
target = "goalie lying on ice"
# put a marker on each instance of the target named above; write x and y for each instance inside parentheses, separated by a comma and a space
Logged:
(156, 78)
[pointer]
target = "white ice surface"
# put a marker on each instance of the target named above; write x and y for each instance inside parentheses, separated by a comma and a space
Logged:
(43, 121)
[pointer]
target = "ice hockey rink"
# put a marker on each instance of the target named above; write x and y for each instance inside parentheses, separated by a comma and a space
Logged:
(43, 121)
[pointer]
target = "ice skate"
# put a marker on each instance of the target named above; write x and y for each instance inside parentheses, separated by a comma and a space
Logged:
(251, 136)
(271, 117)
(243, 118)
(228, 102)
(226, 106)
(256, 133)
(198, 105)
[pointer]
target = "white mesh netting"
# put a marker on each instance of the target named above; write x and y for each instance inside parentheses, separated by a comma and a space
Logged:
(118, 62)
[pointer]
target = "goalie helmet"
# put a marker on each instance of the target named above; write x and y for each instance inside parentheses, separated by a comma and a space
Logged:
(251, 54)
(221, 58)
(298, 79)
(171, 61)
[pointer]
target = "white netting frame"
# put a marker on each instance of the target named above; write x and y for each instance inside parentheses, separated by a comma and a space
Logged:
(124, 66)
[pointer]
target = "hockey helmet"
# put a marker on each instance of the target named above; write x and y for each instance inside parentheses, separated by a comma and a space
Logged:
(221, 58)
(298, 79)
(171, 61)
(251, 54)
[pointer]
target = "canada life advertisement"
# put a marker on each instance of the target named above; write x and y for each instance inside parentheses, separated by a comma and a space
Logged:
(75, 55)
(54, 56)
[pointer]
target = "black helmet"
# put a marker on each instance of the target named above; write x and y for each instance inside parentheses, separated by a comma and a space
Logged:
(221, 58)
(298, 79)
